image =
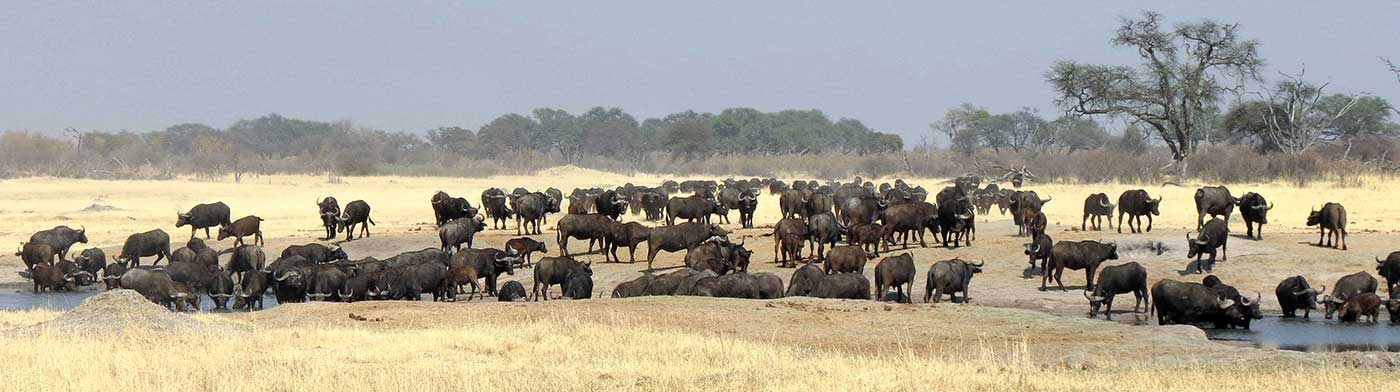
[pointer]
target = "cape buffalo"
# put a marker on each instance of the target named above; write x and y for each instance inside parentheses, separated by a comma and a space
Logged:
(1215, 234)
(470, 265)
(525, 246)
(1096, 210)
(91, 260)
(684, 236)
(716, 254)
(1136, 204)
(1388, 269)
(895, 272)
(823, 229)
(151, 243)
(804, 280)
(1085, 255)
(842, 286)
(1214, 201)
(511, 291)
(156, 286)
(667, 283)
(847, 259)
(1362, 305)
(112, 274)
(1347, 287)
(220, 289)
(60, 239)
(1255, 211)
(910, 217)
(610, 204)
(356, 213)
(494, 202)
(693, 208)
(948, 277)
(243, 227)
(1188, 303)
(530, 211)
(769, 285)
(1125, 278)
(628, 234)
(1294, 293)
(793, 203)
(50, 277)
(36, 253)
(316, 253)
(788, 237)
(556, 270)
(869, 236)
(251, 288)
(736, 285)
(203, 216)
(329, 209)
(633, 288)
(460, 231)
(247, 258)
(1039, 249)
(591, 227)
(1331, 222)
(447, 208)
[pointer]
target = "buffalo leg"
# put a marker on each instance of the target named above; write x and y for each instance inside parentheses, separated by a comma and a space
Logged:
(1120, 222)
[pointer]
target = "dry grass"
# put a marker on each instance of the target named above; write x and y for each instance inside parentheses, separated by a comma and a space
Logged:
(561, 352)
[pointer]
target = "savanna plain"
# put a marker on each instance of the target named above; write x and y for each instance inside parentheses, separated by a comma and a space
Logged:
(1010, 336)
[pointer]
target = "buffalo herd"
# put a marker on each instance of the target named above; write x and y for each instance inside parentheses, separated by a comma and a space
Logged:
(842, 227)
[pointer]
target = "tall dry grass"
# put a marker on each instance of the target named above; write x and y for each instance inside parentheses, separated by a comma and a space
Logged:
(563, 353)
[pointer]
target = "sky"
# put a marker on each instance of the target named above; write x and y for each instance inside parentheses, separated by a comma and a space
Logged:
(413, 66)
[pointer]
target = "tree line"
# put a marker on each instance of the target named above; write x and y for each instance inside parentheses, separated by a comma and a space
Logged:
(343, 147)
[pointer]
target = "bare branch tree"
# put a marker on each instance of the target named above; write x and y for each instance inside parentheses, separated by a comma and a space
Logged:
(1294, 119)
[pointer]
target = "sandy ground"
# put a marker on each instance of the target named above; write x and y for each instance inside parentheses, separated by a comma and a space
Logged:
(1007, 309)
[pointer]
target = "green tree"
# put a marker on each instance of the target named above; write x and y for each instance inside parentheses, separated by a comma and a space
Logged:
(1179, 75)
(690, 138)
(456, 140)
(508, 132)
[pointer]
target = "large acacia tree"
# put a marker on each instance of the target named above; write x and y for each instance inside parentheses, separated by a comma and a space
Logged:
(1180, 74)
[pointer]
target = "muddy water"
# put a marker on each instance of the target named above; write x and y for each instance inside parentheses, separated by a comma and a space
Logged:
(24, 299)
(1316, 334)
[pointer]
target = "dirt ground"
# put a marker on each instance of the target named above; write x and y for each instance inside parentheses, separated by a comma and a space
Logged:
(1007, 308)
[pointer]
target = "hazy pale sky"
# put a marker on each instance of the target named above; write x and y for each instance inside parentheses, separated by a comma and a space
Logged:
(411, 66)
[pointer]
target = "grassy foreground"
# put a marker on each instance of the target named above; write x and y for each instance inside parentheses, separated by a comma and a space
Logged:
(563, 353)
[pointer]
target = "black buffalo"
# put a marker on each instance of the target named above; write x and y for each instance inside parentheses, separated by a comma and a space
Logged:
(1097, 209)
(1136, 204)
(1189, 303)
(156, 286)
(203, 216)
(610, 204)
(591, 227)
(1331, 222)
(151, 243)
(60, 239)
(1347, 287)
(356, 213)
(243, 227)
(1085, 255)
(823, 229)
(328, 209)
(1125, 278)
(456, 232)
(555, 270)
(447, 208)
(494, 201)
(693, 208)
(842, 286)
(948, 277)
(511, 291)
(895, 272)
(1295, 293)
(685, 236)
(316, 253)
(788, 237)
(1214, 201)
(1255, 211)
(1390, 270)
(530, 211)
(1215, 234)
